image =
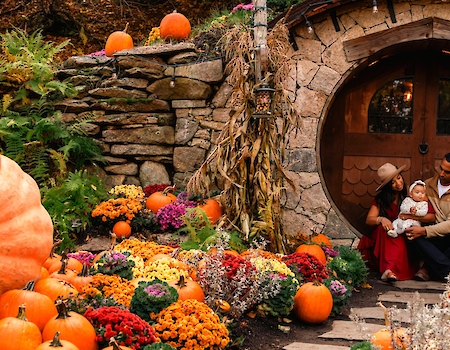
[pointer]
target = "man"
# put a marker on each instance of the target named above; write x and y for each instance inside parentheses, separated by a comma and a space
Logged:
(433, 242)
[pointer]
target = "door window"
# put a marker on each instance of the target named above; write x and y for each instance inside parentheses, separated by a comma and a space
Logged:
(390, 110)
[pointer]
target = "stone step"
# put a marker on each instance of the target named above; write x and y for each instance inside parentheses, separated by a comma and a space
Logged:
(405, 297)
(376, 313)
(308, 346)
(417, 285)
(349, 330)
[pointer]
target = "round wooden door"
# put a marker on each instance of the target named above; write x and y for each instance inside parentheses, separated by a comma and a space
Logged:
(397, 110)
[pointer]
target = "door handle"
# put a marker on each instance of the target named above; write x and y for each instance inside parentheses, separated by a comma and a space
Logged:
(423, 147)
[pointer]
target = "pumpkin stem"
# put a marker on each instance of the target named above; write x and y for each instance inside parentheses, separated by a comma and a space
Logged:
(126, 27)
(113, 240)
(55, 245)
(181, 282)
(29, 286)
(386, 315)
(113, 343)
(62, 270)
(21, 314)
(85, 270)
(168, 189)
(56, 342)
(62, 310)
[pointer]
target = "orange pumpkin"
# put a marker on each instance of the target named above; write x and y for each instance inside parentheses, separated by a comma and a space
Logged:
(213, 209)
(40, 308)
(18, 333)
(314, 250)
(188, 289)
(115, 346)
(118, 41)
(384, 338)
(174, 26)
(73, 327)
(71, 264)
(55, 288)
(313, 302)
(44, 273)
(82, 279)
(122, 229)
(64, 273)
(158, 199)
(322, 240)
(57, 343)
(26, 229)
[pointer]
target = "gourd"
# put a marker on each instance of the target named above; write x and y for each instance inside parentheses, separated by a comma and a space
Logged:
(118, 41)
(26, 229)
(158, 199)
(57, 343)
(385, 338)
(73, 327)
(313, 302)
(213, 210)
(174, 26)
(122, 229)
(16, 333)
(40, 308)
(314, 250)
(188, 289)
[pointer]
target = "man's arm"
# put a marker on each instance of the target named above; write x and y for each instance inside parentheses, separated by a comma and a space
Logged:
(437, 230)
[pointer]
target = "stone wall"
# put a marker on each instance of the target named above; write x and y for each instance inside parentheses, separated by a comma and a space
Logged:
(157, 111)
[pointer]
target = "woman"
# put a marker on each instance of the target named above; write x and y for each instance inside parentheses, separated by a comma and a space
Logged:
(385, 254)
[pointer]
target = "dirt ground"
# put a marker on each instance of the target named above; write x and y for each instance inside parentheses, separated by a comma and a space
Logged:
(263, 334)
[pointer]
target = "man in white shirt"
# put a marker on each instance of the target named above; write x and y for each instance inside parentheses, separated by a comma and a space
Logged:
(432, 242)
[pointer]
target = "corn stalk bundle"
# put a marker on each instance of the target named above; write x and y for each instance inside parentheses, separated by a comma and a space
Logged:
(247, 163)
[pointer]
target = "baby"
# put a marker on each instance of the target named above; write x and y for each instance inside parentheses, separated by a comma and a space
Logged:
(415, 204)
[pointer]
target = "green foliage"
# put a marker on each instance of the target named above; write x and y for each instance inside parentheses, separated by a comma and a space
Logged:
(27, 65)
(70, 204)
(158, 346)
(202, 235)
(152, 297)
(349, 267)
(364, 345)
(282, 303)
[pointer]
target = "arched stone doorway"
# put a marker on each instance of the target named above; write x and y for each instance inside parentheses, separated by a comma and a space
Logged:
(394, 108)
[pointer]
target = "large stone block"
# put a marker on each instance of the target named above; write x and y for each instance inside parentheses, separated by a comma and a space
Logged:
(148, 135)
(181, 89)
(188, 158)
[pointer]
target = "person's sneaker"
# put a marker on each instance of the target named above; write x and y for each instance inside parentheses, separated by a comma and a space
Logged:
(422, 275)
(392, 233)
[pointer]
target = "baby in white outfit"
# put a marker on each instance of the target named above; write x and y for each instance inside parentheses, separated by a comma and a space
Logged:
(415, 204)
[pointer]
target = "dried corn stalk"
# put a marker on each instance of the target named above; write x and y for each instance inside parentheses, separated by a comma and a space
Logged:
(247, 161)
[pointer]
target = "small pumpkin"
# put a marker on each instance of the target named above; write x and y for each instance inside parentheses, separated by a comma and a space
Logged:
(385, 338)
(158, 199)
(64, 273)
(314, 250)
(72, 326)
(57, 343)
(313, 303)
(175, 26)
(55, 288)
(122, 229)
(113, 345)
(70, 263)
(118, 41)
(83, 279)
(188, 289)
(19, 333)
(321, 239)
(26, 229)
(212, 209)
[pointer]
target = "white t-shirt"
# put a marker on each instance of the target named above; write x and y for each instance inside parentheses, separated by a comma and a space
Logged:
(442, 189)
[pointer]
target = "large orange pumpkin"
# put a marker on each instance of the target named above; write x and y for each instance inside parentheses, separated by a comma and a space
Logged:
(213, 210)
(314, 250)
(57, 343)
(118, 41)
(26, 229)
(313, 302)
(175, 26)
(18, 333)
(73, 327)
(40, 308)
(157, 200)
(55, 288)
(321, 239)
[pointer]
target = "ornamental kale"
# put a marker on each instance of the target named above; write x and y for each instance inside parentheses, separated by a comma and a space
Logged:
(152, 297)
(349, 266)
(114, 263)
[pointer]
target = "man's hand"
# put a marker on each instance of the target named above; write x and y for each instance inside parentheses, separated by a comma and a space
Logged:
(415, 232)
